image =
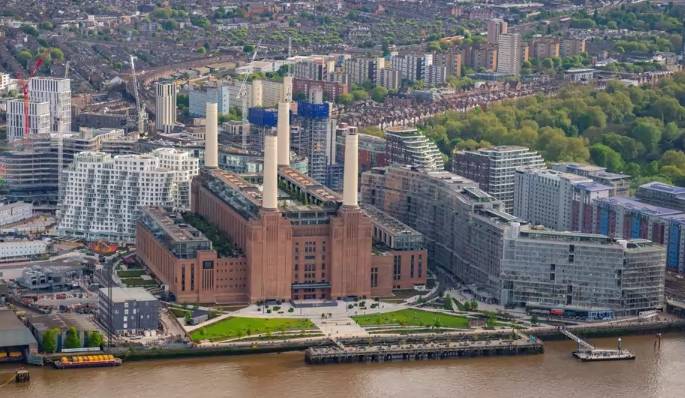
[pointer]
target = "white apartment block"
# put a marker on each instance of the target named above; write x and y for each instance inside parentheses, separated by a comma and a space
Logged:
(22, 248)
(103, 195)
(15, 212)
(4, 81)
(39, 119)
(57, 92)
(509, 55)
(165, 106)
(545, 197)
(185, 167)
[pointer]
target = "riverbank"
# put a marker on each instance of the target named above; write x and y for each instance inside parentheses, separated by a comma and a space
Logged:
(548, 333)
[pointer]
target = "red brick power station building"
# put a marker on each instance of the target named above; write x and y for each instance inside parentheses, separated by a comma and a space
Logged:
(292, 238)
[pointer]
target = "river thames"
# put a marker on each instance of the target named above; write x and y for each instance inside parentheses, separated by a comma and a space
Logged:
(657, 372)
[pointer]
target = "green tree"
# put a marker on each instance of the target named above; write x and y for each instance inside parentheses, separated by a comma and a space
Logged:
(647, 131)
(344, 99)
(379, 93)
(72, 339)
(95, 339)
(49, 340)
(57, 54)
(360, 95)
(604, 156)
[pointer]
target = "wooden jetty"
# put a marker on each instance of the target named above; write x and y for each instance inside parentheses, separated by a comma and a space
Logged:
(587, 352)
(381, 352)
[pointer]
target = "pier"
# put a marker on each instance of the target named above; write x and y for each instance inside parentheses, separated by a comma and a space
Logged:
(418, 350)
(588, 352)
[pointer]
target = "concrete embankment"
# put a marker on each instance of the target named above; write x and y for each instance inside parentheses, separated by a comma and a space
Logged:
(609, 330)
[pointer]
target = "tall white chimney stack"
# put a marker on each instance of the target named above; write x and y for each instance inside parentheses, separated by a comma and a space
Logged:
(270, 185)
(283, 133)
(351, 169)
(211, 136)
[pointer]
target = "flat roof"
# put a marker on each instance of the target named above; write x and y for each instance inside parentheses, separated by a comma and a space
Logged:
(661, 187)
(121, 294)
(13, 332)
(634, 204)
(174, 227)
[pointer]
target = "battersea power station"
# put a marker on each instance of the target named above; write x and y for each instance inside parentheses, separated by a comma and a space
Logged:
(279, 235)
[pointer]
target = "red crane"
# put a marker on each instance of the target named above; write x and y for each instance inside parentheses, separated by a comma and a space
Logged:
(25, 92)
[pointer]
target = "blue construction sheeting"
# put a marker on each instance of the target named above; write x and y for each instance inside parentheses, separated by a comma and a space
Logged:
(635, 227)
(312, 111)
(673, 249)
(262, 117)
(604, 221)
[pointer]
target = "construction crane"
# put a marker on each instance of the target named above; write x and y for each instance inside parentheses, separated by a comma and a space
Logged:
(242, 94)
(24, 85)
(140, 107)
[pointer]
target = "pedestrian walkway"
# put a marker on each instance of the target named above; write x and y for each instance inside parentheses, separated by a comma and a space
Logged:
(340, 327)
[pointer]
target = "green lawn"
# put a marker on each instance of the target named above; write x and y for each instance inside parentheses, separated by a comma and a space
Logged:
(138, 282)
(131, 273)
(412, 317)
(238, 327)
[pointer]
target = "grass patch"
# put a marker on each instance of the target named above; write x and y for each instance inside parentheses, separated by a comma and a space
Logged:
(131, 273)
(238, 327)
(138, 282)
(413, 317)
(179, 312)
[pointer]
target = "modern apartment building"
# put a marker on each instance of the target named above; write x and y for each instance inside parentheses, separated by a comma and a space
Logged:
(361, 70)
(509, 56)
(619, 183)
(57, 93)
(198, 97)
(390, 78)
(468, 233)
(406, 145)
(494, 169)
(317, 142)
(557, 200)
(664, 195)
(131, 310)
(38, 118)
(412, 67)
(549, 268)
(165, 106)
(103, 195)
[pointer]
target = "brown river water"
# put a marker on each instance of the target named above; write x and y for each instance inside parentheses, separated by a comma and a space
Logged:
(655, 373)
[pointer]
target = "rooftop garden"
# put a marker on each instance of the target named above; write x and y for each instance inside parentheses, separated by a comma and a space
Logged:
(221, 242)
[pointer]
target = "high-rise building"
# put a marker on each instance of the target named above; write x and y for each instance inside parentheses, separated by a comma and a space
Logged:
(481, 56)
(362, 70)
(496, 27)
(198, 97)
(407, 146)
(316, 138)
(494, 169)
(468, 233)
(39, 119)
(509, 53)
(390, 79)
(560, 201)
(165, 106)
(103, 195)
(412, 67)
(451, 60)
(56, 92)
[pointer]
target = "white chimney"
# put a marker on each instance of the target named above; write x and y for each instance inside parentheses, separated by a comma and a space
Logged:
(211, 136)
(351, 165)
(270, 185)
(284, 134)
